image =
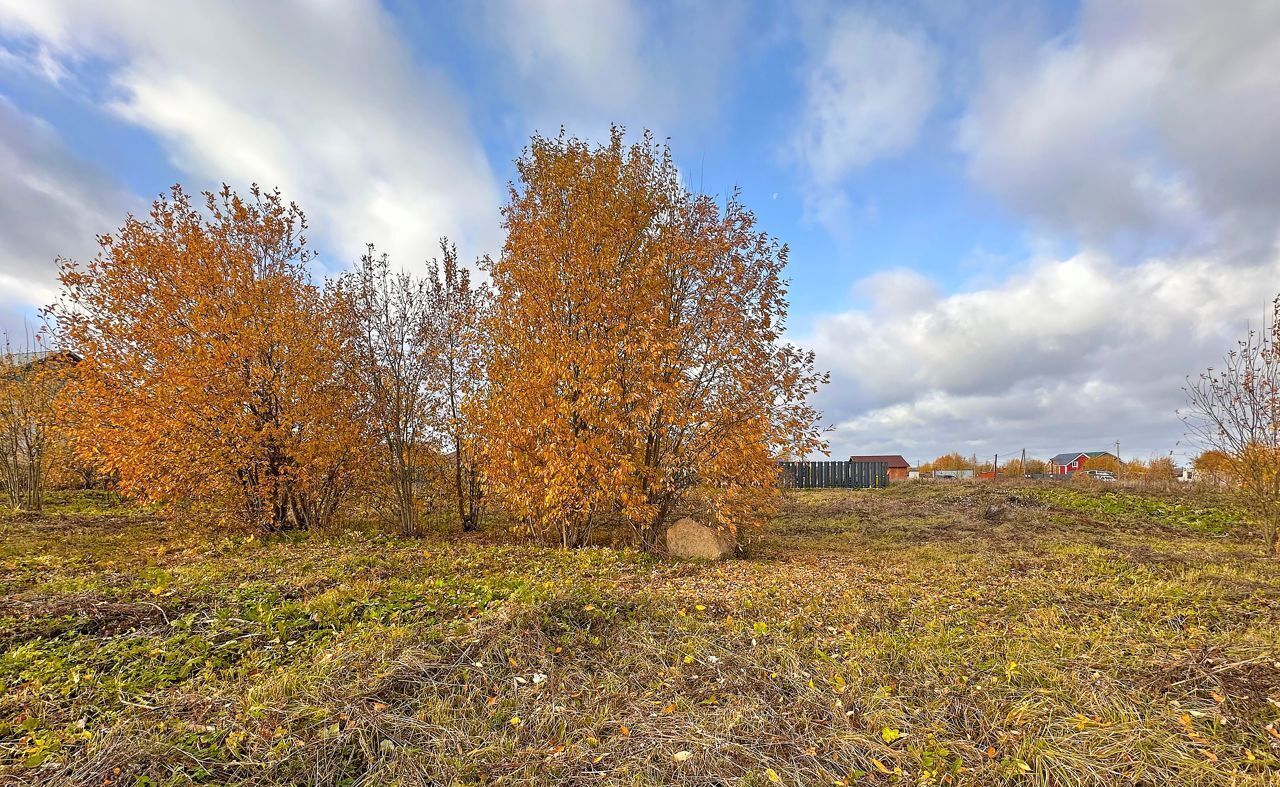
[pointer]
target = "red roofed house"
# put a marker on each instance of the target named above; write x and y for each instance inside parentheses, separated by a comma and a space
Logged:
(1071, 461)
(898, 467)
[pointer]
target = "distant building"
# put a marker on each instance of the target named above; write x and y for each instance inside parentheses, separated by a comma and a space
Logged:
(898, 467)
(1065, 464)
(953, 473)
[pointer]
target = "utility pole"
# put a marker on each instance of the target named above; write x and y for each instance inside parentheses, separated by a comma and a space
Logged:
(1023, 464)
(1117, 450)
(995, 467)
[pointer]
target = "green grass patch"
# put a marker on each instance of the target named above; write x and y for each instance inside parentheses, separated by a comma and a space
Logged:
(1206, 516)
(899, 636)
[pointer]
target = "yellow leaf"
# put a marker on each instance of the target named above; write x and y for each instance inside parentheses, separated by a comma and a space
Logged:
(880, 766)
(681, 756)
(515, 721)
(772, 776)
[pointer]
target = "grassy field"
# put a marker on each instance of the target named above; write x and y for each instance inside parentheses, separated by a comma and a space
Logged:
(925, 634)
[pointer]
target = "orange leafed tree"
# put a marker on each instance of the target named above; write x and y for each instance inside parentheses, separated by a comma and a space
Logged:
(951, 461)
(211, 373)
(636, 361)
(1215, 467)
(1111, 465)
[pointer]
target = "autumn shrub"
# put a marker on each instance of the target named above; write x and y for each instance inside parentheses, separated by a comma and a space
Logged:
(636, 361)
(1234, 412)
(416, 347)
(212, 373)
(33, 454)
(950, 461)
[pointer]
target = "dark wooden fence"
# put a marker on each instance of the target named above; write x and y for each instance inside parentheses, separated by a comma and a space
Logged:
(828, 475)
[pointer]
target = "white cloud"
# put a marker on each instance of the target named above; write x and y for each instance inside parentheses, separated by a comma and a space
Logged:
(51, 204)
(323, 100)
(1144, 136)
(589, 63)
(1153, 122)
(897, 290)
(1057, 357)
(868, 91)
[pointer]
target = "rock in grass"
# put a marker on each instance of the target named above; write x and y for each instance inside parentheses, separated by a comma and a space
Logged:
(997, 512)
(687, 538)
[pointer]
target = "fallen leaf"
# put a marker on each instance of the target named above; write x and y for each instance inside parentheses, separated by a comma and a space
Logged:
(681, 756)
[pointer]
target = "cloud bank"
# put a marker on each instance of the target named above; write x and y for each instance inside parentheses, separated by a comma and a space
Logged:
(322, 100)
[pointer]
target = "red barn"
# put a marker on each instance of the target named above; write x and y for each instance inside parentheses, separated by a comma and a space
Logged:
(898, 467)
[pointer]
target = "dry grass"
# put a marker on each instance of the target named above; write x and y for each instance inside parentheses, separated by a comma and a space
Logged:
(927, 634)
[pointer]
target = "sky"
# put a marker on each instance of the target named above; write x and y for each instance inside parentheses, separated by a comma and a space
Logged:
(1012, 224)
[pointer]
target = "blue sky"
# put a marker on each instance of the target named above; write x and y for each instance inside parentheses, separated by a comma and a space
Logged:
(1012, 224)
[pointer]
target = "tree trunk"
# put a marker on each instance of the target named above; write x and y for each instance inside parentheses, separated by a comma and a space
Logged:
(408, 512)
(464, 516)
(473, 496)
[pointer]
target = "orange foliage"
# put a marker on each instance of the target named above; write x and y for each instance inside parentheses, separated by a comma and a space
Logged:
(636, 362)
(1110, 464)
(951, 461)
(1036, 466)
(211, 373)
(1161, 468)
(1014, 468)
(1216, 467)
